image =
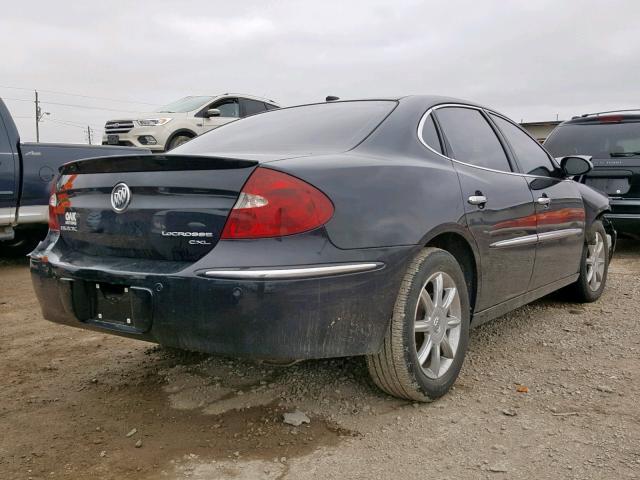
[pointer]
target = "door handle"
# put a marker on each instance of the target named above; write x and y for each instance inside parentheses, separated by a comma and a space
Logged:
(544, 201)
(477, 200)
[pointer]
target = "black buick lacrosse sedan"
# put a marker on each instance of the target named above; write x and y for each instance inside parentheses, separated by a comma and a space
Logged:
(385, 228)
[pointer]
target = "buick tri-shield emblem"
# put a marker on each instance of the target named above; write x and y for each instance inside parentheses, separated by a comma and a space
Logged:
(120, 197)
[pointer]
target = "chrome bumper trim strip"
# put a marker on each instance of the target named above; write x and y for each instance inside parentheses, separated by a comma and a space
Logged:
(33, 214)
(630, 216)
(293, 272)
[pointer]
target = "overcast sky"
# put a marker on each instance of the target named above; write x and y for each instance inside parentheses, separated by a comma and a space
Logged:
(529, 59)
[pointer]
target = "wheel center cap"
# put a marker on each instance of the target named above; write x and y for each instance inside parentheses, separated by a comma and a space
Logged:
(439, 325)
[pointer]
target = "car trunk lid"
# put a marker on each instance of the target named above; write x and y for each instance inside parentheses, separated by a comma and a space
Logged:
(175, 206)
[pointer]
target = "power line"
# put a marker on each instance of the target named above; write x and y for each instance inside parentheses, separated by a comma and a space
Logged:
(16, 99)
(72, 105)
(88, 107)
(73, 124)
(55, 92)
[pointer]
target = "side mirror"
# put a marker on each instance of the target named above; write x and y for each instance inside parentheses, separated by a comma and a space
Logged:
(212, 112)
(575, 165)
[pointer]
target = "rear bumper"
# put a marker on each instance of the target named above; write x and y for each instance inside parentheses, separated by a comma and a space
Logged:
(316, 315)
(625, 215)
(625, 223)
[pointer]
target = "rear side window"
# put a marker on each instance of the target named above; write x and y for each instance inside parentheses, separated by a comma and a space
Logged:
(330, 127)
(531, 157)
(271, 107)
(430, 134)
(471, 138)
(252, 107)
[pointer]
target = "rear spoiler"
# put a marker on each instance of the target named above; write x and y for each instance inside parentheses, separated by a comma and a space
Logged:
(153, 163)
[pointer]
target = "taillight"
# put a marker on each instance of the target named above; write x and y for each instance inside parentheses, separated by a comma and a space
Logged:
(274, 204)
(611, 119)
(53, 206)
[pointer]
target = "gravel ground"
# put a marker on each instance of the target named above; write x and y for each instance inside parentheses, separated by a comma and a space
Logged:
(548, 391)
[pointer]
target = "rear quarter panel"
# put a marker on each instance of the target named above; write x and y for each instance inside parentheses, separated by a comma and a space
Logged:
(381, 202)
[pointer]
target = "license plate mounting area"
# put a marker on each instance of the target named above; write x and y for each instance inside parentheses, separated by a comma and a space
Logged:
(119, 306)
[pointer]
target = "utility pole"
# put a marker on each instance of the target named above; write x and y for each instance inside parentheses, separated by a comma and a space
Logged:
(37, 118)
(39, 115)
(89, 134)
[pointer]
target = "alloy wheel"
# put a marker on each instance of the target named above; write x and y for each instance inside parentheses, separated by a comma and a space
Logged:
(596, 262)
(437, 325)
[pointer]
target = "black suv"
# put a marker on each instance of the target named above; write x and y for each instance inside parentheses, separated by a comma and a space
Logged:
(613, 140)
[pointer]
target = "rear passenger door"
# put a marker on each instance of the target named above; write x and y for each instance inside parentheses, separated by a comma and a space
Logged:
(560, 213)
(498, 204)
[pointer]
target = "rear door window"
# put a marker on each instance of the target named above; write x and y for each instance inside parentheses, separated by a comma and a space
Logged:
(251, 107)
(471, 138)
(531, 157)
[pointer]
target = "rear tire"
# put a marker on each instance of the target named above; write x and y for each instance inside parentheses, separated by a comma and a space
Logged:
(427, 338)
(594, 266)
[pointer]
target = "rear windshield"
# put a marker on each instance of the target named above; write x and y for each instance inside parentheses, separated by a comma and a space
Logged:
(322, 128)
(598, 140)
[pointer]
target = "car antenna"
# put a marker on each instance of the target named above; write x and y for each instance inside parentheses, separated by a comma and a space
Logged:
(331, 98)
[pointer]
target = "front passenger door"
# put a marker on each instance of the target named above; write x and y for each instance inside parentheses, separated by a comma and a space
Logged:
(498, 204)
(560, 213)
(229, 111)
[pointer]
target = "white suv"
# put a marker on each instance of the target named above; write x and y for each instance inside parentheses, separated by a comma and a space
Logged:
(180, 121)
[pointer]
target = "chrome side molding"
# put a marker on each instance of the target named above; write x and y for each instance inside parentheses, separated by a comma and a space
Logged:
(567, 232)
(293, 272)
(516, 242)
(537, 238)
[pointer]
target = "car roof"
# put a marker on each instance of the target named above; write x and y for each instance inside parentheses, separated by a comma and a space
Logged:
(246, 95)
(426, 101)
(630, 115)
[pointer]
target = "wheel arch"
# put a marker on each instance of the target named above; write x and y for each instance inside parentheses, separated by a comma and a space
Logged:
(459, 243)
(611, 231)
(181, 131)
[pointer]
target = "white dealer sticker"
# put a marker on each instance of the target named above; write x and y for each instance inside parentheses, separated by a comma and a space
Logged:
(70, 222)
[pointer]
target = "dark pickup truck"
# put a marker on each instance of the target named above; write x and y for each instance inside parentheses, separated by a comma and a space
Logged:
(26, 173)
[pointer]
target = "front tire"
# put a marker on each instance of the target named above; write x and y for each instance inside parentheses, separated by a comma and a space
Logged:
(177, 141)
(594, 266)
(427, 338)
